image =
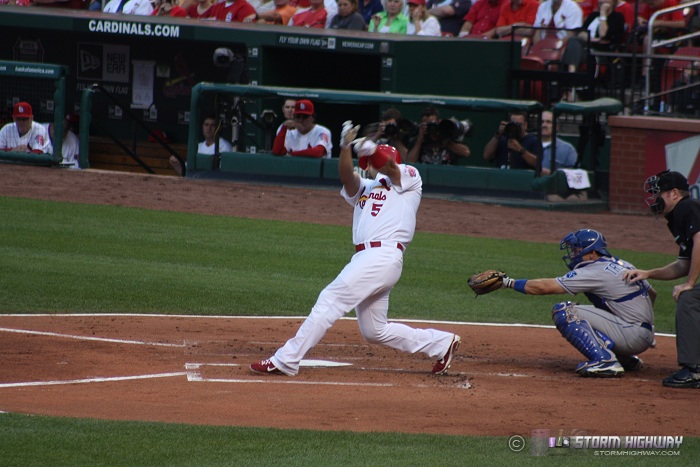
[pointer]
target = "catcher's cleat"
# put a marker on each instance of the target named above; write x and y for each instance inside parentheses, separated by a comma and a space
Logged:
(443, 364)
(683, 378)
(265, 367)
(631, 363)
(598, 369)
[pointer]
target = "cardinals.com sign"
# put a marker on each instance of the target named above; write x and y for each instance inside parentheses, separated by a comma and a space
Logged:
(103, 62)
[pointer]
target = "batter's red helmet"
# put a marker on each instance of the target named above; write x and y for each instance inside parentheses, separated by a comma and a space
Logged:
(380, 156)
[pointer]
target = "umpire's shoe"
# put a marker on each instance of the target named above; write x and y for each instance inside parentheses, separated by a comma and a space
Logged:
(686, 377)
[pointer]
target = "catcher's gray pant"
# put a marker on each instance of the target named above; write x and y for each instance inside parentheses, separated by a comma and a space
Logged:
(364, 284)
(688, 327)
(629, 339)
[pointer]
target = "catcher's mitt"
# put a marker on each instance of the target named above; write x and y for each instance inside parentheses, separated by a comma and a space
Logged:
(487, 281)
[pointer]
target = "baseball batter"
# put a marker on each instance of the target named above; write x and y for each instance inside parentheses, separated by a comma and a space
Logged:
(24, 134)
(384, 221)
(618, 324)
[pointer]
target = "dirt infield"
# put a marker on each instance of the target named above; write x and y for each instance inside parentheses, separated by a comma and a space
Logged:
(504, 380)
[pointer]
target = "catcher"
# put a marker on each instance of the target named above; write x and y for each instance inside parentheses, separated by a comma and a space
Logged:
(618, 324)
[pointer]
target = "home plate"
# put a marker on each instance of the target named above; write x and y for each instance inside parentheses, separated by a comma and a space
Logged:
(321, 364)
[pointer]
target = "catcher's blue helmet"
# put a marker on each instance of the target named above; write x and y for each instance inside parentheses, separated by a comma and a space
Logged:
(580, 243)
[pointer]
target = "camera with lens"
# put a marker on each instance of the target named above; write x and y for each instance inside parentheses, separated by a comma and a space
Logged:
(391, 130)
(512, 130)
(431, 129)
(454, 129)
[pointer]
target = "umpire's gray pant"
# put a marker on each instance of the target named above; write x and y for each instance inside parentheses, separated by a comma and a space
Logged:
(688, 327)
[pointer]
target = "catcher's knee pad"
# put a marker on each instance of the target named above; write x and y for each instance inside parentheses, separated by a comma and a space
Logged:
(562, 314)
(593, 344)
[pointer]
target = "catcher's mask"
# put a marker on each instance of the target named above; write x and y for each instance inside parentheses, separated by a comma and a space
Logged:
(580, 243)
(389, 152)
(663, 181)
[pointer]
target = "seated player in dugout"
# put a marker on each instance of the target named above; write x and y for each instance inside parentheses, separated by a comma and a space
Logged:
(620, 322)
(24, 134)
(302, 136)
(512, 147)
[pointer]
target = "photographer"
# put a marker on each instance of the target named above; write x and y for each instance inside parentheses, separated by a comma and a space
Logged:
(512, 147)
(433, 146)
(388, 132)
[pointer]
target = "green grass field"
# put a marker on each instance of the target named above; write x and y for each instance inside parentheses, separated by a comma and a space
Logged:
(73, 258)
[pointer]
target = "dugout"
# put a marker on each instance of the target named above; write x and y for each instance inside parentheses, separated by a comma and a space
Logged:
(151, 64)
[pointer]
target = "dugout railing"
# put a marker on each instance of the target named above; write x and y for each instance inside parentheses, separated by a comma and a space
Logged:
(43, 85)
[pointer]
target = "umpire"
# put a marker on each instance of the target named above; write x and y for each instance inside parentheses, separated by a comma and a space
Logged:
(669, 195)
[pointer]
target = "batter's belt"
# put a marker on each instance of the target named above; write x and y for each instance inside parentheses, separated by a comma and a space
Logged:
(364, 246)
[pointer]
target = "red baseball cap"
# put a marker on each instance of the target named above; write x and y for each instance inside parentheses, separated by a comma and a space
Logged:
(304, 107)
(417, 2)
(22, 110)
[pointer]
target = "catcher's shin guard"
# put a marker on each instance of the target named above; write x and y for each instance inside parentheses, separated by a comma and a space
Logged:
(594, 345)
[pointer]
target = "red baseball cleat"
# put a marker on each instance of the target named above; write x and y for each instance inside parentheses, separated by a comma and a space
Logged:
(443, 364)
(265, 367)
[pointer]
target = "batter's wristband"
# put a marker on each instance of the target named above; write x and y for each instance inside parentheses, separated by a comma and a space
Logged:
(519, 285)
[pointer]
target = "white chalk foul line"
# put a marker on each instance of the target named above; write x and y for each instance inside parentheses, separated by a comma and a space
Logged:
(91, 380)
(86, 338)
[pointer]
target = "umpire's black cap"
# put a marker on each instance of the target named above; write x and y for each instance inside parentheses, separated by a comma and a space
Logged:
(669, 180)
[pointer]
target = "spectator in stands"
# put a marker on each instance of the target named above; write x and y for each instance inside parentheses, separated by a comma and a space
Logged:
(166, 8)
(450, 13)
(348, 16)
(391, 20)
(129, 7)
(516, 13)
(262, 6)
(482, 18)
(199, 8)
(70, 148)
(586, 6)
(236, 11)
(314, 17)
(512, 147)
(288, 115)
(24, 134)
(389, 132)
(432, 147)
(665, 26)
(307, 138)
(282, 13)
(369, 8)
(605, 27)
(421, 22)
(566, 155)
(562, 15)
(627, 11)
(71, 4)
(685, 99)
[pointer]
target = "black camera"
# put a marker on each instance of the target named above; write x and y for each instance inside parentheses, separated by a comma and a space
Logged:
(454, 129)
(512, 130)
(391, 129)
(432, 129)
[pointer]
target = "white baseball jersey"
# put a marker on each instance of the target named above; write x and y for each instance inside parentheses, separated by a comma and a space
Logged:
(224, 146)
(319, 135)
(385, 212)
(36, 139)
(602, 282)
(69, 150)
